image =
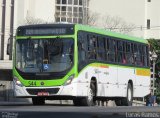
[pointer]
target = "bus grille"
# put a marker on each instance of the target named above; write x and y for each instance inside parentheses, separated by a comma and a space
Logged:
(49, 90)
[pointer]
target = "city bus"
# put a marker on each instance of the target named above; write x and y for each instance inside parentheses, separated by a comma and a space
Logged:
(79, 63)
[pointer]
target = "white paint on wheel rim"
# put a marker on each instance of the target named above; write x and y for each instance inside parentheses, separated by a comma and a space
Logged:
(90, 94)
(129, 94)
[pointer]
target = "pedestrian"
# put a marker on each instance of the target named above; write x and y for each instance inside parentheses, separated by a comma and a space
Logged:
(151, 100)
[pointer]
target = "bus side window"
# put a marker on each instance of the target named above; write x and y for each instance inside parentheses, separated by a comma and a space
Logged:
(111, 52)
(107, 49)
(132, 54)
(146, 60)
(120, 53)
(139, 55)
(100, 49)
(129, 53)
(147, 56)
(81, 52)
(91, 47)
(82, 49)
(136, 54)
(124, 54)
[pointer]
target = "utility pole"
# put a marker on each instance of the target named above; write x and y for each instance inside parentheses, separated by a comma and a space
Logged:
(3, 29)
(154, 58)
(11, 30)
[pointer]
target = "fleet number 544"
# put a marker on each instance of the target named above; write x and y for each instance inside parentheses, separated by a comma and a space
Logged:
(32, 83)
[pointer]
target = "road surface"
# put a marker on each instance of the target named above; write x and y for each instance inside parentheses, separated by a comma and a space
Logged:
(24, 110)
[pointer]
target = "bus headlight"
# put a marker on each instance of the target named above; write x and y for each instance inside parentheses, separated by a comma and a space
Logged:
(69, 80)
(17, 82)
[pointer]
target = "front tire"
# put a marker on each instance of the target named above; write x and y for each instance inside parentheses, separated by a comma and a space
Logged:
(77, 101)
(87, 101)
(38, 101)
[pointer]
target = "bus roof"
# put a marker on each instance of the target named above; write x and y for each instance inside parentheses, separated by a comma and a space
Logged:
(89, 29)
(110, 33)
(46, 25)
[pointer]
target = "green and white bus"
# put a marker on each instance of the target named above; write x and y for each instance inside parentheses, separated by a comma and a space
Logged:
(79, 63)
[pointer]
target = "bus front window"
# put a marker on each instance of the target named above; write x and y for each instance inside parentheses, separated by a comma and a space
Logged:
(44, 55)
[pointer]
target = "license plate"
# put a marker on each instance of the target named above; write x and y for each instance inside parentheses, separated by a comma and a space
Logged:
(43, 94)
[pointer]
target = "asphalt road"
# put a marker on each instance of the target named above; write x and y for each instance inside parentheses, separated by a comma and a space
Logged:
(22, 110)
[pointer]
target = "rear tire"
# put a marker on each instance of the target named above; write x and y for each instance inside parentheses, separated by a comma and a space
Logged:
(118, 102)
(38, 101)
(129, 99)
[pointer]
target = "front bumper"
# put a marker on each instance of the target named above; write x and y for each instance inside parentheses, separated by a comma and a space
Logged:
(68, 90)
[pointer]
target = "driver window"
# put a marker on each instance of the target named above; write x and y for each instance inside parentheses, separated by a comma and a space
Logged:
(82, 46)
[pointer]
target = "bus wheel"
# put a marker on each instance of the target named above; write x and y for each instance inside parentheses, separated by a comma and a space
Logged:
(77, 101)
(129, 99)
(89, 100)
(38, 101)
(118, 102)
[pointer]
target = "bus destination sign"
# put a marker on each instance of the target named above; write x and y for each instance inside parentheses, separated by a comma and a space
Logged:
(54, 31)
(45, 31)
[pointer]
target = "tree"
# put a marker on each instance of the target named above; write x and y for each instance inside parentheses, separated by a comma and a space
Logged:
(155, 47)
(92, 18)
(108, 22)
(31, 20)
(117, 24)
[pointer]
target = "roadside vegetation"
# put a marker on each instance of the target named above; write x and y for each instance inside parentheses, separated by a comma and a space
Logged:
(155, 47)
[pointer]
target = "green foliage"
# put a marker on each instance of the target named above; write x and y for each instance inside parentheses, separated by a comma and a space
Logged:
(155, 47)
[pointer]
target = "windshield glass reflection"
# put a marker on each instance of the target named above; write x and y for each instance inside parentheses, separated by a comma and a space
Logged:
(44, 55)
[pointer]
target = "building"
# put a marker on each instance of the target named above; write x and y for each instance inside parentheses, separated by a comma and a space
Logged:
(73, 11)
(143, 13)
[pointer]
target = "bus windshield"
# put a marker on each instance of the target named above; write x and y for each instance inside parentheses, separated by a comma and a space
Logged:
(44, 55)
